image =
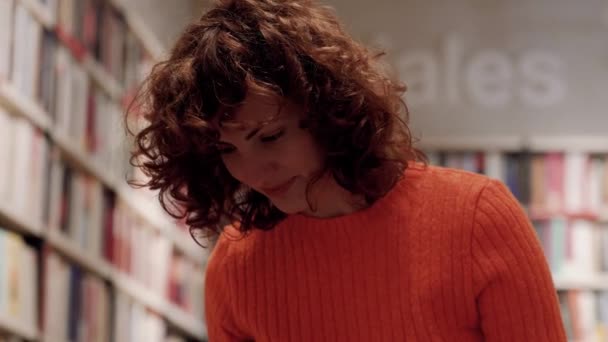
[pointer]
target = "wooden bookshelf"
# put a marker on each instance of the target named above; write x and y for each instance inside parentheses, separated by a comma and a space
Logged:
(17, 103)
(18, 223)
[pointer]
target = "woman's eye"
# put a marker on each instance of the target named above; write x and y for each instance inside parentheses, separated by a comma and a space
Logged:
(273, 137)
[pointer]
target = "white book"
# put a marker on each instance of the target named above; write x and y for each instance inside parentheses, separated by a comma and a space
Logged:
(104, 314)
(26, 49)
(584, 249)
(13, 244)
(6, 37)
(3, 272)
(122, 315)
(494, 164)
(29, 287)
(63, 103)
(22, 162)
(37, 173)
(55, 188)
(101, 131)
(594, 185)
(603, 308)
(162, 248)
(6, 156)
(76, 207)
(95, 236)
(575, 173)
(18, 72)
(80, 91)
(604, 249)
(586, 305)
(32, 44)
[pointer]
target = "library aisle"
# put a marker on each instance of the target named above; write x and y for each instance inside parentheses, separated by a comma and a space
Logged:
(83, 257)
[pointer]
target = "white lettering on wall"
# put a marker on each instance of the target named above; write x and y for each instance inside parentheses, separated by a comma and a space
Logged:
(490, 78)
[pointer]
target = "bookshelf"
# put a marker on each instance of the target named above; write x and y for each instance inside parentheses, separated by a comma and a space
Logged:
(23, 102)
(19, 329)
(562, 183)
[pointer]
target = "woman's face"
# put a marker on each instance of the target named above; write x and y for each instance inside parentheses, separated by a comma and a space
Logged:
(264, 148)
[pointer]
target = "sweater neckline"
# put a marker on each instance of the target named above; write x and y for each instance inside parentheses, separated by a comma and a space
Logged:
(378, 209)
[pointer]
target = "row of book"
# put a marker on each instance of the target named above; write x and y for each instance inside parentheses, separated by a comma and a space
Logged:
(574, 248)
(79, 306)
(43, 66)
(100, 29)
(42, 188)
(18, 279)
(88, 28)
(573, 184)
(24, 152)
(585, 315)
(76, 304)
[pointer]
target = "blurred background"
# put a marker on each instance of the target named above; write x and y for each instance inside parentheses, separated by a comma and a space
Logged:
(517, 90)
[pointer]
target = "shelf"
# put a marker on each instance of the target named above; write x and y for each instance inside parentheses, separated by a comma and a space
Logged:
(500, 143)
(14, 101)
(103, 78)
(76, 254)
(134, 289)
(589, 282)
(588, 144)
(41, 12)
(17, 223)
(150, 42)
(176, 316)
(15, 327)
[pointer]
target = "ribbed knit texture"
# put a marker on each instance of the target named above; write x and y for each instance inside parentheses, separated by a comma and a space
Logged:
(446, 255)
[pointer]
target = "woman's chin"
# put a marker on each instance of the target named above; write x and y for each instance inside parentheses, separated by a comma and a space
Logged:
(288, 208)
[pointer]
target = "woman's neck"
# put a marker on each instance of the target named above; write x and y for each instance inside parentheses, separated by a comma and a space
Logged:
(329, 199)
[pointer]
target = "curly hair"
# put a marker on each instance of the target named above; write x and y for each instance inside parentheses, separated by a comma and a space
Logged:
(296, 49)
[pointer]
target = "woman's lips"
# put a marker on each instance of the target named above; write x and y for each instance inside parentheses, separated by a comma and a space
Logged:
(279, 189)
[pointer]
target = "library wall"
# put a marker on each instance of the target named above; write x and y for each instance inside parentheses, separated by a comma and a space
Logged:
(493, 67)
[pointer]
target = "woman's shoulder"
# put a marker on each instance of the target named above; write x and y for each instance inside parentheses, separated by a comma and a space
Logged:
(437, 181)
(234, 246)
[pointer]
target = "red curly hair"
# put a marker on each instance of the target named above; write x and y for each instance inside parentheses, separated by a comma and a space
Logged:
(296, 49)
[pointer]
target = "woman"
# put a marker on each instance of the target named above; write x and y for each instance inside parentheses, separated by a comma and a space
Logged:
(267, 114)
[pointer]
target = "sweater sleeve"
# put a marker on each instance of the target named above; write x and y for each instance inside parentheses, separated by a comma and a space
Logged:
(219, 316)
(516, 298)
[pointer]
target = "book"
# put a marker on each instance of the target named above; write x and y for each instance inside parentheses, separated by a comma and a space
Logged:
(6, 37)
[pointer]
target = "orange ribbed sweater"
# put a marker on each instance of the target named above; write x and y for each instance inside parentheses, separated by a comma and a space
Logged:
(446, 255)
